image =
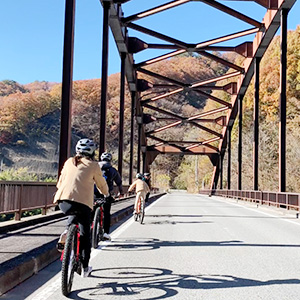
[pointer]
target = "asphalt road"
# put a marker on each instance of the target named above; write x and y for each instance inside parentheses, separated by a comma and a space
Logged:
(190, 247)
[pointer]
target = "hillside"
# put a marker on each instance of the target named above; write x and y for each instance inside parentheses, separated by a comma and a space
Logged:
(29, 115)
(29, 119)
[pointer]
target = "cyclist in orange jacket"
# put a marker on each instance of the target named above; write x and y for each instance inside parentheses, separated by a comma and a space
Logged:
(141, 189)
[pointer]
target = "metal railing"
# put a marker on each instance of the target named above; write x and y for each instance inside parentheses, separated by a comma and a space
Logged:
(17, 196)
(277, 199)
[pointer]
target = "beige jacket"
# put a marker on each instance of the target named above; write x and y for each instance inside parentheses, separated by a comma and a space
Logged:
(139, 185)
(77, 183)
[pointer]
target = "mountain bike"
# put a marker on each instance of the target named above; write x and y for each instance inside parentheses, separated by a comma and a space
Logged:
(97, 225)
(139, 216)
(70, 259)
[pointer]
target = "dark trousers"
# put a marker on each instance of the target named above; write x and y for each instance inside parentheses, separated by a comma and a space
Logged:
(147, 197)
(81, 214)
(106, 215)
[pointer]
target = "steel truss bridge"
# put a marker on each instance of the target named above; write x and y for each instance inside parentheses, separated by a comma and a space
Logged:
(159, 87)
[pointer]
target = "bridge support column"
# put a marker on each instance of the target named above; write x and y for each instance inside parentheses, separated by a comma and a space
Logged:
(139, 148)
(221, 171)
(240, 142)
(67, 79)
(121, 114)
(133, 100)
(102, 142)
(256, 122)
(229, 157)
(282, 104)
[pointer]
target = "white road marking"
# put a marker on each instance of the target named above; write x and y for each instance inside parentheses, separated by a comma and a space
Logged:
(258, 211)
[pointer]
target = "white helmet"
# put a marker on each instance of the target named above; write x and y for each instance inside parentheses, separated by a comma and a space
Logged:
(106, 156)
(86, 147)
(139, 175)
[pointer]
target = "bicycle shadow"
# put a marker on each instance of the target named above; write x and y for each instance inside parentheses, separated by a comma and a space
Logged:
(143, 244)
(155, 283)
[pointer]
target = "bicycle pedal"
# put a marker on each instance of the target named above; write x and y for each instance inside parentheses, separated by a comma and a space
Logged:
(79, 270)
(60, 246)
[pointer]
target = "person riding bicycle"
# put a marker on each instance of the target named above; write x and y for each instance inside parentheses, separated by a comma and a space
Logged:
(141, 189)
(147, 178)
(111, 175)
(75, 195)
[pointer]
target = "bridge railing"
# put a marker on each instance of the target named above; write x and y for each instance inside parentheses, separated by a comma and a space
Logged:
(17, 196)
(277, 199)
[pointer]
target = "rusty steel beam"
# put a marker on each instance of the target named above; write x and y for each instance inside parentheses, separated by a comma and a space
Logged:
(222, 61)
(158, 35)
(227, 37)
(121, 114)
(160, 110)
(219, 78)
(159, 58)
(256, 124)
(260, 44)
(233, 13)
(104, 77)
(229, 158)
(282, 102)
(154, 10)
(133, 100)
(67, 80)
(162, 46)
(192, 86)
(158, 76)
(213, 98)
(240, 142)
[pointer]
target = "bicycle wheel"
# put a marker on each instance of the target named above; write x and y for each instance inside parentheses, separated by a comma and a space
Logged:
(97, 231)
(70, 262)
(142, 212)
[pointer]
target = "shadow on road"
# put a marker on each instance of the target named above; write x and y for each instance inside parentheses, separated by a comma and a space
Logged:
(142, 244)
(156, 283)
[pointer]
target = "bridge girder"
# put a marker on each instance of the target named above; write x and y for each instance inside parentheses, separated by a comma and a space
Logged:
(264, 32)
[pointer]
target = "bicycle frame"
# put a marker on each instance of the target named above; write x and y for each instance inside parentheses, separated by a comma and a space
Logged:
(97, 224)
(77, 249)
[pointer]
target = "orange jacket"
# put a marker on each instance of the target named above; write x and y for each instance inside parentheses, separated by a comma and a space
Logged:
(139, 185)
(76, 183)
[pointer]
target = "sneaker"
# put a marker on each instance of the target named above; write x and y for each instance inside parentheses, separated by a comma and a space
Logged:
(62, 240)
(106, 237)
(86, 272)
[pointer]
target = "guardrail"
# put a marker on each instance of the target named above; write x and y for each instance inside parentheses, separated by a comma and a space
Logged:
(17, 196)
(277, 199)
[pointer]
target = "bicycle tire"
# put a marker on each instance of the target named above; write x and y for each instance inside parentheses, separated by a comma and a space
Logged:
(97, 231)
(69, 262)
(142, 213)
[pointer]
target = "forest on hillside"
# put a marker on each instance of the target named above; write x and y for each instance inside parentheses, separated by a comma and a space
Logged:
(24, 109)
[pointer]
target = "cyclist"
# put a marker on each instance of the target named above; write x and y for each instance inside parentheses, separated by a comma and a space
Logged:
(141, 189)
(75, 195)
(146, 178)
(111, 175)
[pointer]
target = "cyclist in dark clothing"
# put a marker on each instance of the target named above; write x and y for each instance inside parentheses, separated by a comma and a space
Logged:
(111, 176)
(147, 178)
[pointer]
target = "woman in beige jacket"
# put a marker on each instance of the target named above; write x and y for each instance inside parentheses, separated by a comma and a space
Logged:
(75, 194)
(141, 189)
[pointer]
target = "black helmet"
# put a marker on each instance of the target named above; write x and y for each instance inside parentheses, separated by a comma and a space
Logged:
(139, 176)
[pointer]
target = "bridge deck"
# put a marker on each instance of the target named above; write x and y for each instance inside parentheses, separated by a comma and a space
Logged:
(24, 251)
(190, 247)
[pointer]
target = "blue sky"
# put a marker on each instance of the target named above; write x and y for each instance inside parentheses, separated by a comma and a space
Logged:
(32, 34)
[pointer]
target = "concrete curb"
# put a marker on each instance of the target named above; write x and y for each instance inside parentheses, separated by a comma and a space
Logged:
(17, 270)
